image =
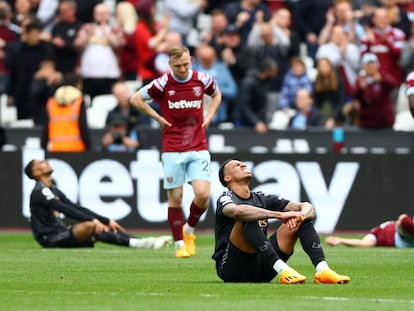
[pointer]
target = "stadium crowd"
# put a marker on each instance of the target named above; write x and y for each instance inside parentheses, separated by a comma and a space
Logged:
(348, 58)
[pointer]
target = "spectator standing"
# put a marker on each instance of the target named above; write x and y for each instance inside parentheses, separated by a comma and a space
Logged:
(284, 31)
(46, 80)
(219, 23)
(244, 14)
(235, 55)
(363, 10)
(66, 129)
(398, 17)
(183, 14)
(386, 42)
(126, 19)
(9, 32)
(265, 44)
(343, 55)
(341, 14)
(309, 18)
(329, 92)
(148, 35)
(64, 32)
(21, 10)
(206, 61)
(373, 91)
(24, 59)
(252, 99)
(98, 42)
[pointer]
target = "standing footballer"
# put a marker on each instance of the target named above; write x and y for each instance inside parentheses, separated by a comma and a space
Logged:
(185, 154)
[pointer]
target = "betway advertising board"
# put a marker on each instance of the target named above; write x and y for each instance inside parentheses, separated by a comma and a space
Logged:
(349, 192)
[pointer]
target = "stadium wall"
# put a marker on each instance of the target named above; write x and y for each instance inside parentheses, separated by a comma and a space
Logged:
(350, 191)
(246, 140)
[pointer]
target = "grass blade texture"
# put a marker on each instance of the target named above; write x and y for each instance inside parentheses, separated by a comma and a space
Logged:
(118, 278)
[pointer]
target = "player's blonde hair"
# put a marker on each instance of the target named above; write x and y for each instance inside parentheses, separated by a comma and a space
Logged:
(177, 51)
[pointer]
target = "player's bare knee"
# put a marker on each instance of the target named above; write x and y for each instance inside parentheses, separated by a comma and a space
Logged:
(202, 197)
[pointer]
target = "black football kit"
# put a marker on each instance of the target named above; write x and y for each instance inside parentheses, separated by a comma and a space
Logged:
(46, 206)
(234, 265)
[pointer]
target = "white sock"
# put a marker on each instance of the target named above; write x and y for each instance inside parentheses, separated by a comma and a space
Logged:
(321, 266)
(179, 244)
(280, 266)
(141, 243)
(188, 229)
(133, 242)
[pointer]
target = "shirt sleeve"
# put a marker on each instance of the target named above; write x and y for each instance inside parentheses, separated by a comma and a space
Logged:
(222, 201)
(61, 203)
(276, 203)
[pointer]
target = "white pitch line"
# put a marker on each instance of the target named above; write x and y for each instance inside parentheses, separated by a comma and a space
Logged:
(384, 300)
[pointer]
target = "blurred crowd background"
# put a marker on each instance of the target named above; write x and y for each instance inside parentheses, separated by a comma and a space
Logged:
(280, 64)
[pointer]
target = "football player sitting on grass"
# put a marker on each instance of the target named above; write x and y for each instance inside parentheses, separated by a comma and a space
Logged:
(243, 251)
(47, 203)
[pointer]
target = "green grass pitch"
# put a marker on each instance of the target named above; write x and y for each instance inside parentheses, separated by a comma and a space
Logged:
(116, 278)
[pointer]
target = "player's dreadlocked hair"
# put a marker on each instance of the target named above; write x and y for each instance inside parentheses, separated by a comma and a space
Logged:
(28, 169)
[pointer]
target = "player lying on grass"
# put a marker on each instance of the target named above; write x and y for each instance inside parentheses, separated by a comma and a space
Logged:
(47, 202)
(243, 251)
(395, 233)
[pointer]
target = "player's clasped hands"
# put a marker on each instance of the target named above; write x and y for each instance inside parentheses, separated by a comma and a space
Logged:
(292, 219)
(115, 227)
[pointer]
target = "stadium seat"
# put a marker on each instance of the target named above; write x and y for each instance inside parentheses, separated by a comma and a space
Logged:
(97, 112)
(8, 114)
(133, 85)
(22, 123)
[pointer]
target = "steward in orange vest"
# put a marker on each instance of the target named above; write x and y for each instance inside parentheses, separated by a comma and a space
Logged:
(67, 129)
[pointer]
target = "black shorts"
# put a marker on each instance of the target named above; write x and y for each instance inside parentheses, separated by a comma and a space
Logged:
(63, 239)
(238, 266)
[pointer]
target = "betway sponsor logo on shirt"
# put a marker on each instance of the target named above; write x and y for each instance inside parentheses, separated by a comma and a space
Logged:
(183, 104)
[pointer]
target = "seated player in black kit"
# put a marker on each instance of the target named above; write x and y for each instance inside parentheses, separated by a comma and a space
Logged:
(244, 253)
(47, 202)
